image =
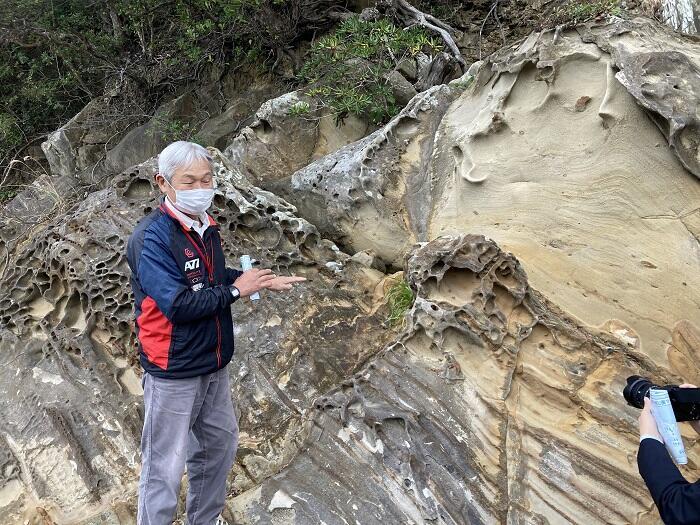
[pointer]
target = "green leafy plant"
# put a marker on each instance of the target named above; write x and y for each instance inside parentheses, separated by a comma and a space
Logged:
(399, 298)
(175, 129)
(299, 109)
(8, 193)
(348, 68)
(577, 11)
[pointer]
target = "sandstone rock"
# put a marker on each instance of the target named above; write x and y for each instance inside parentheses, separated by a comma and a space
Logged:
(59, 153)
(408, 68)
(358, 195)
(281, 139)
(682, 15)
(499, 402)
(369, 259)
(275, 140)
(109, 135)
(71, 411)
(665, 80)
(504, 152)
(401, 88)
(492, 407)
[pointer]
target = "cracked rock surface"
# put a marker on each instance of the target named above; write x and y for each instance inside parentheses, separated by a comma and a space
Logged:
(576, 150)
(493, 406)
(545, 211)
(71, 394)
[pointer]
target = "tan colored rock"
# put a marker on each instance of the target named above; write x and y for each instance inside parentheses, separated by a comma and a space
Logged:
(551, 238)
(578, 196)
(71, 407)
(287, 133)
(492, 407)
(684, 352)
(578, 191)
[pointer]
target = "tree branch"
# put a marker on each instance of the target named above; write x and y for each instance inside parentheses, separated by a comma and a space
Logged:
(412, 16)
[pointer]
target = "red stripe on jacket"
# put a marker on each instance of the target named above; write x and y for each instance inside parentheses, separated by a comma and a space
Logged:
(154, 333)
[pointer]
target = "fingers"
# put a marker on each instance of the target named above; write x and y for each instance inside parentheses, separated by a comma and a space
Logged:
(265, 282)
(291, 279)
(687, 385)
(260, 271)
(646, 411)
(265, 278)
(647, 424)
(279, 287)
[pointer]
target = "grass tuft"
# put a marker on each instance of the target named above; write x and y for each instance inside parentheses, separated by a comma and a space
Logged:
(399, 298)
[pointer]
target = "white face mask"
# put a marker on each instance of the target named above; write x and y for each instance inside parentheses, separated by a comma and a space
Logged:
(193, 202)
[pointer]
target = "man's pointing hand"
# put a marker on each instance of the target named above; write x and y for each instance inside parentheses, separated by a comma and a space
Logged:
(253, 280)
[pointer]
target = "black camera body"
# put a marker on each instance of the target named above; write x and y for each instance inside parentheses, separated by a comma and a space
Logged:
(685, 401)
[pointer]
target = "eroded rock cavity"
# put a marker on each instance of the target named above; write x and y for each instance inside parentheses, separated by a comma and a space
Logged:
(492, 407)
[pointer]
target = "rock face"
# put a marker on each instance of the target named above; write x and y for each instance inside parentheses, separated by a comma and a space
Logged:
(544, 209)
(492, 407)
(109, 135)
(682, 15)
(286, 134)
(71, 409)
(544, 150)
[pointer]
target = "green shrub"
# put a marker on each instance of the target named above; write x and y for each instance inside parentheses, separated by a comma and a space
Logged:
(56, 55)
(299, 109)
(347, 69)
(399, 298)
(577, 11)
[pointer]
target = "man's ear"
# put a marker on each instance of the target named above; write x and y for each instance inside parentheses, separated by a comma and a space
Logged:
(160, 181)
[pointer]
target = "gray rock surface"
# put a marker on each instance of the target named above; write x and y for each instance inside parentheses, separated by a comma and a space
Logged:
(114, 132)
(71, 395)
(551, 239)
(491, 407)
(286, 134)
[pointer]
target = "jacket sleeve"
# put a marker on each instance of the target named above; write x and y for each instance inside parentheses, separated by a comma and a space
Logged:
(232, 274)
(678, 500)
(161, 279)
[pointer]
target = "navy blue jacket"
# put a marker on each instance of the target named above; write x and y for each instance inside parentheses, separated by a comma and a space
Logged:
(182, 300)
(678, 500)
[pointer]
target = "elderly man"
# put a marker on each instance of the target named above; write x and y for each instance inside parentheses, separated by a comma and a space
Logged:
(183, 292)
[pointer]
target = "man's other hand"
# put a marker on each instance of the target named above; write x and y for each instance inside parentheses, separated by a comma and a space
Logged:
(694, 424)
(647, 423)
(283, 282)
(253, 280)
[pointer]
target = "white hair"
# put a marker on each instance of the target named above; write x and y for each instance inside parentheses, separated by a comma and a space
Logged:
(180, 154)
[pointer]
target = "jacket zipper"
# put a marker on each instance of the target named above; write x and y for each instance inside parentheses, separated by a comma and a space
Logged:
(218, 323)
(210, 270)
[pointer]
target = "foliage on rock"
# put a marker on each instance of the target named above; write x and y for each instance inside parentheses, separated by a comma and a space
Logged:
(56, 55)
(348, 68)
(399, 298)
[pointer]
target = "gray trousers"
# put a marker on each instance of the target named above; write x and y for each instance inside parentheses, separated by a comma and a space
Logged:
(187, 422)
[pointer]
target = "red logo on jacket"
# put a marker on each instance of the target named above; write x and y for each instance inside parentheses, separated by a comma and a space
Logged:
(189, 253)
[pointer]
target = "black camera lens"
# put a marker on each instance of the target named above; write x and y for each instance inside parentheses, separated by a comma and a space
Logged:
(636, 390)
(685, 401)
